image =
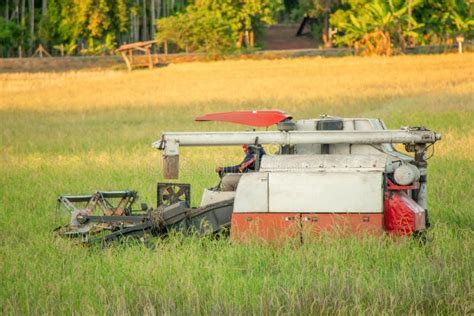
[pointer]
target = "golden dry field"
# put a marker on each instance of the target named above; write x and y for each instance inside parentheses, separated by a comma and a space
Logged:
(332, 83)
(79, 132)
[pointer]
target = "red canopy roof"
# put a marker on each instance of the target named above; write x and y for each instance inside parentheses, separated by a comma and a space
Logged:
(261, 118)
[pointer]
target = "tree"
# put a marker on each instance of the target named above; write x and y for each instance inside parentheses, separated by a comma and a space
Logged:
(244, 15)
(98, 26)
(321, 10)
(7, 10)
(145, 21)
(91, 26)
(31, 20)
(48, 30)
(444, 19)
(152, 18)
(197, 29)
(10, 36)
(214, 25)
(377, 26)
(120, 19)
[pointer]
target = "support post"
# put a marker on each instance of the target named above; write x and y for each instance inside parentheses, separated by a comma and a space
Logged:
(241, 37)
(422, 164)
(460, 40)
(127, 62)
(171, 167)
(150, 61)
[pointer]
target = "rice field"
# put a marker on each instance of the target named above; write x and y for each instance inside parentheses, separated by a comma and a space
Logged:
(79, 132)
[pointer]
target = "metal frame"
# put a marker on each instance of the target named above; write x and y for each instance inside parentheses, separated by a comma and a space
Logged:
(185, 188)
(170, 142)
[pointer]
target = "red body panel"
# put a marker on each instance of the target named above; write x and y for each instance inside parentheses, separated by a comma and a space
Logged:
(350, 223)
(278, 226)
(268, 226)
(403, 215)
(252, 118)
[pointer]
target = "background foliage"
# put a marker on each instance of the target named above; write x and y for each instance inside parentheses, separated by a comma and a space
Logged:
(197, 29)
(99, 26)
(381, 25)
(215, 25)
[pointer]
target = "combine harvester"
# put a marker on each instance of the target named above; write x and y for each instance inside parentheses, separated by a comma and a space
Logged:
(328, 173)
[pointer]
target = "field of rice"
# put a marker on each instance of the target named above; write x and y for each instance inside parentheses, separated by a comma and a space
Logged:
(79, 132)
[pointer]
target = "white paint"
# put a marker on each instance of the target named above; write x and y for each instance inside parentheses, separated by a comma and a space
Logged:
(252, 193)
(326, 192)
(312, 163)
(211, 197)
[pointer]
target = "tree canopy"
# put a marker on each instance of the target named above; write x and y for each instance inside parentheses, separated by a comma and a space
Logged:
(214, 25)
(380, 26)
(99, 26)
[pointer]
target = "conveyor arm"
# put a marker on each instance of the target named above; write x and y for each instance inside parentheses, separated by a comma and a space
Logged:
(170, 142)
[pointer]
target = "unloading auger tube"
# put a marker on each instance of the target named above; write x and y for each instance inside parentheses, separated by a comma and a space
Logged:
(415, 140)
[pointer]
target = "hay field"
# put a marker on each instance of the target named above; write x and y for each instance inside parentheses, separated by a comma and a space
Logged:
(78, 132)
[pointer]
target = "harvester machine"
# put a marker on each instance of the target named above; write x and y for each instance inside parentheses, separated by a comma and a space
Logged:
(325, 174)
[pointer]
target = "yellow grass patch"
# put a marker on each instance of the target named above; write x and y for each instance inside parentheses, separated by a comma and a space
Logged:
(269, 82)
(456, 145)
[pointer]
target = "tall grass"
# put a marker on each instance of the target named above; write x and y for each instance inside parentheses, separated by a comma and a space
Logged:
(80, 132)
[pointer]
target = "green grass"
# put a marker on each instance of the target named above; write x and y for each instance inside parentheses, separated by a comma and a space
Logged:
(47, 153)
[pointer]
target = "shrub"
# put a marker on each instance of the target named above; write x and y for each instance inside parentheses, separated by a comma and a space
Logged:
(377, 26)
(197, 29)
(214, 25)
(10, 36)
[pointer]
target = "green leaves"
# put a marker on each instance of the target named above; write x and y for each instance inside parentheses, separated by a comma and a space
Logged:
(402, 21)
(245, 15)
(102, 24)
(10, 35)
(94, 22)
(411, 22)
(197, 29)
(214, 25)
(355, 22)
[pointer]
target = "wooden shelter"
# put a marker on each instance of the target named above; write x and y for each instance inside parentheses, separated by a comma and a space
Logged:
(127, 51)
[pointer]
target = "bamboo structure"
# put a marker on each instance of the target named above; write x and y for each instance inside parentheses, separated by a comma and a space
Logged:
(126, 51)
(40, 51)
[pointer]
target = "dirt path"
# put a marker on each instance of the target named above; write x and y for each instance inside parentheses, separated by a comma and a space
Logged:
(281, 36)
